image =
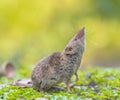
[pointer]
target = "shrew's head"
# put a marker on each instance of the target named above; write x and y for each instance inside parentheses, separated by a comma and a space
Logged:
(76, 44)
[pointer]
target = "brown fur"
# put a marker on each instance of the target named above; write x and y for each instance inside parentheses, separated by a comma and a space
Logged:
(60, 66)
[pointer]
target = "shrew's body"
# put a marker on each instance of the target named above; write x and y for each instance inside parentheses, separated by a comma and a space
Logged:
(60, 66)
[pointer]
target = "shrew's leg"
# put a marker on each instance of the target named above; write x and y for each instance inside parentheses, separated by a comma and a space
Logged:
(67, 82)
(68, 87)
(76, 77)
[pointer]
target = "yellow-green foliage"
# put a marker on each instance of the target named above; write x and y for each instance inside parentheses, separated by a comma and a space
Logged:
(30, 29)
(94, 84)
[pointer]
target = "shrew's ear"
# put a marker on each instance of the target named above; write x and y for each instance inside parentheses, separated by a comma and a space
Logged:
(68, 50)
(80, 34)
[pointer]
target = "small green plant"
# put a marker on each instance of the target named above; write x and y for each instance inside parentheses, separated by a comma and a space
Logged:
(93, 84)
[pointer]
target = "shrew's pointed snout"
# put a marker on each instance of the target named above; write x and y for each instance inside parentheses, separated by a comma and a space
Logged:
(80, 34)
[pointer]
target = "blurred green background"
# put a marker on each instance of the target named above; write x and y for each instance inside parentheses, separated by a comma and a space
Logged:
(32, 29)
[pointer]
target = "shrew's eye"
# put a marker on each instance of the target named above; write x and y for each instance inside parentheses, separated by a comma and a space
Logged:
(75, 39)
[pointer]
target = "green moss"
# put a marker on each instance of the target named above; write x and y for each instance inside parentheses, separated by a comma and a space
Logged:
(100, 84)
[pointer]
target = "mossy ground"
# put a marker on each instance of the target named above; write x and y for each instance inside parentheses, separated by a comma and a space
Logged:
(93, 84)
